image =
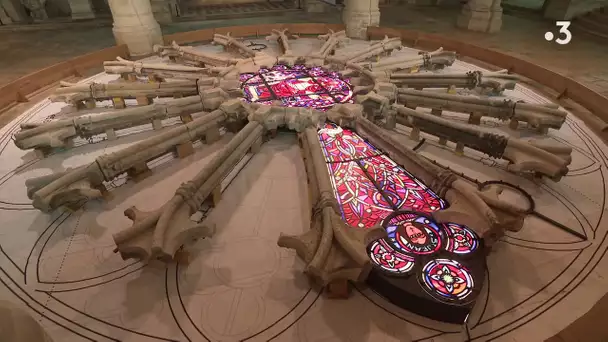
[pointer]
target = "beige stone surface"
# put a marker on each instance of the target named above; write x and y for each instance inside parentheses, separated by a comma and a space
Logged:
(240, 284)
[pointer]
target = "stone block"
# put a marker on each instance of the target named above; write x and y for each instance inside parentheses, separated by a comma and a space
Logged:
(119, 102)
(338, 289)
(157, 124)
(186, 118)
(142, 100)
(139, 172)
(474, 20)
(212, 135)
(256, 146)
(183, 150)
(81, 9)
(90, 103)
(436, 112)
(111, 134)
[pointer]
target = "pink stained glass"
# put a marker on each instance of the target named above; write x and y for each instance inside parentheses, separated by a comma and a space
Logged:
(388, 259)
(297, 86)
(460, 239)
(334, 86)
(361, 203)
(447, 279)
(344, 145)
(404, 190)
(415, 234)
(257, 92)
(250, 78)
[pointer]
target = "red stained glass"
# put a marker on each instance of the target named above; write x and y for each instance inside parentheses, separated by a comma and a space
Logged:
(404, 190)
(297, 86)
(385, 257)
(412, 233)
(257, 92)
(361, 203)
(460, 239)
(447, 279)
(344, 145)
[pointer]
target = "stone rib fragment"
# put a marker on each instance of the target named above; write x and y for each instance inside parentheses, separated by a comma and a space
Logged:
(483, 212)
(332, 250)
(429, 60)
(160, 233)
(50, 192)
(495, 81)
(158, 70)
(333, 40)
(379, 48)
(76, 93)
(231, 44)
(539, 116)
(193, 56)
(524, 156)
(281, 37)
(60, 132)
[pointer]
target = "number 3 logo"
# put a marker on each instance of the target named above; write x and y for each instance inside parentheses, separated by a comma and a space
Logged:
(563, 29)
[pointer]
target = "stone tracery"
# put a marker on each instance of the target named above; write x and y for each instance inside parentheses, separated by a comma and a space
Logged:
(333, 251)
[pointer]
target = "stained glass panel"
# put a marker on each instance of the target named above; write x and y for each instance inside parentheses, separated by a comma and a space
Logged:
(385, 257)
(344, 145)
(447, 279)
(460, 239)
(415, 234)
(361, 203)
(257, 93)
(297, 86)
(404, 190)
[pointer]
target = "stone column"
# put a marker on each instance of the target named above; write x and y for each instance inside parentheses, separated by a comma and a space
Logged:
(36, 8)
(164, 10)
(569, 9)
(15, 12)
(313, 6)
(358, 15)
(134, 25)
(82, 9)
(481, 16)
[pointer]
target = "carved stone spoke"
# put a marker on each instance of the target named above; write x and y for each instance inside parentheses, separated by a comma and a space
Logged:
(204, 95)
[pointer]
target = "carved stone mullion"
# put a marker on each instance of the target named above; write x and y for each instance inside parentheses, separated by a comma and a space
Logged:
(333, 251)
(332, 41)
(524, 156)
(228, 41)
(429, 60)
(536, 115)
(467, 205)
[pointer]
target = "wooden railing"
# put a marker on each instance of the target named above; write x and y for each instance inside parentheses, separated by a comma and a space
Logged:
(20, 89)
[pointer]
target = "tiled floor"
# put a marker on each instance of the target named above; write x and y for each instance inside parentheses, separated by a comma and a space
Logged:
(263, 179)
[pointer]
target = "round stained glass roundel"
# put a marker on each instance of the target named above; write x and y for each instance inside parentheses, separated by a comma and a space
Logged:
(447, 280)
(460, 239)
(414, 233)
(384, 256)
(296, 86)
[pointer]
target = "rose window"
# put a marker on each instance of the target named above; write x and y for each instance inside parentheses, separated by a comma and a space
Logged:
(296, 86)
(435, 262)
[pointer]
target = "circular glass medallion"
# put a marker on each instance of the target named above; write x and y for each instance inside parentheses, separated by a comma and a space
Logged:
(388, 259)
(413, 232)
(447, 280)
(460, 239)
